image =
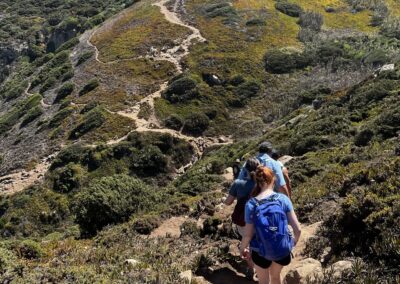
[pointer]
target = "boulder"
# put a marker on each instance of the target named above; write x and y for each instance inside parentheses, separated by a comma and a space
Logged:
(306, 269)
(186, 276)
(317, 104)
(341, 267)
(211, 79)
(387, 67)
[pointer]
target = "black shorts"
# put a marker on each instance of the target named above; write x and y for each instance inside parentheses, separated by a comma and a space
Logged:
(265, 263)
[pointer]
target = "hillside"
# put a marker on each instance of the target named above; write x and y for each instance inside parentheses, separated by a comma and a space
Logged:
(118, 120)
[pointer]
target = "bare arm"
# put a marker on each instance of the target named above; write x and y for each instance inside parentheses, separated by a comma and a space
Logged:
(229, 200)
(248, 235)
(294, 223)
(283, 189)
(287, 180)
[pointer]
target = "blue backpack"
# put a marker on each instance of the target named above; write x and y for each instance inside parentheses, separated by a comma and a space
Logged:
(271, 224)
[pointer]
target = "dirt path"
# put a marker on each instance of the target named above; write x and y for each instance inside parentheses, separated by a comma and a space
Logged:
(231, 272)
(13, 183)
(170, 227)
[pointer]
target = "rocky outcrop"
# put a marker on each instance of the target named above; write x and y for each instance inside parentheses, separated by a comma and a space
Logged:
(341, 267)
(306, 270)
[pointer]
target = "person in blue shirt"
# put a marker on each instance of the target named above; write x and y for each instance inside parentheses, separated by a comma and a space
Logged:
(240, 191)
(265, 150)
(268, 271)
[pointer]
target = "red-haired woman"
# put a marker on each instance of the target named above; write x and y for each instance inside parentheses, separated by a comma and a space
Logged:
(266, 235)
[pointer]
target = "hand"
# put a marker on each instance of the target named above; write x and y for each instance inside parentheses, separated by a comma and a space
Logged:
(245, 253)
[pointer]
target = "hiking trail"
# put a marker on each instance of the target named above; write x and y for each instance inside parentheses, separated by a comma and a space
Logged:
(15, 182)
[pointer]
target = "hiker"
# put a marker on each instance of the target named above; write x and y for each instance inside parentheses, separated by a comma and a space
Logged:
(236, 169)
(267, 240)
(265, 150)
(241, 190)
(275, 155)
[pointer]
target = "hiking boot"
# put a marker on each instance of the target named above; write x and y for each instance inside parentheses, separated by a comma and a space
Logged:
(249, 274)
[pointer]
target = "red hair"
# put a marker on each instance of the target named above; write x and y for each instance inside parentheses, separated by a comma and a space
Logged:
(262, 176)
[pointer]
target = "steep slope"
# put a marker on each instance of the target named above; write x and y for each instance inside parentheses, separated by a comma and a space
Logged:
(144, 113)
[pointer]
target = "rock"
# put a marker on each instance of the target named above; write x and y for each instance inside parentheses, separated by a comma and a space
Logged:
(316, 104)
(297, 119)
(228, 170)
(186, 276)
(221, 139)
(234, 249)
(387, 67)
(341, 267)
(330, 9)
(326, 254)
(211, 79)
(285, 159)
(131, 262)
(307, 268)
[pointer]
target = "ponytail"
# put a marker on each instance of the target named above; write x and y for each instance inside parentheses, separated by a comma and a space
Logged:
(262, 176)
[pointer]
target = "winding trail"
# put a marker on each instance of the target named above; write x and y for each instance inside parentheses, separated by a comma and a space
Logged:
(16, 182)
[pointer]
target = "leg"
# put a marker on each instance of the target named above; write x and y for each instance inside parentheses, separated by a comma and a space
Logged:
(275, 273)
(262, 274)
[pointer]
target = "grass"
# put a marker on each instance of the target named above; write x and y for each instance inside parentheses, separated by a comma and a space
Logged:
(135, 32)
(141, 75)
(342, 18)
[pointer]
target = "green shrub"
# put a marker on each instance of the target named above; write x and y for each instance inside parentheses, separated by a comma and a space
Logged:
(68, 75)
(93, 119)
(391, 27)
(303, 144)
(311, 20)
(196, 123)
(375, 91)
(223, 9)
(8, 120)
(194, 184)
(376, 58)
(280, 61)
(67, 178)
(90, 86)
(64, 91)
(290, 9)
(363, 137)
(388, 123)
(256, 22)
(30, 249)
(60, 116)
(150, 161)
(50, 82)
(173, 122)
(329, 51)
(88, 107)
(7, 260)
(33, 114)
(12, 89)
(248, 90)
(68, 45)
(146, 225)
(237, 80)
(112, 200)
(190, 228)
(84, 57)
(75, 153)
(181, 90)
